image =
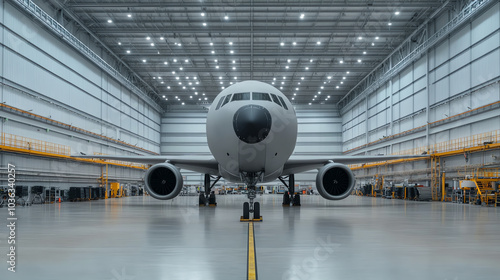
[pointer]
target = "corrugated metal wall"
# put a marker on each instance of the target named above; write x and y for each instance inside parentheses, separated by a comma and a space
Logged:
(458, 75)
(44, 76)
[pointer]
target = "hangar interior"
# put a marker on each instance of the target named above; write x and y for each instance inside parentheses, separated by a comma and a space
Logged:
(367, 77)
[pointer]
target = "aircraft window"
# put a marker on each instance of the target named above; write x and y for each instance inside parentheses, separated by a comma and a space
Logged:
(260, 96)
(241, 96)
(275, 99)
(220, 103)
(283, 102)
(226, 100)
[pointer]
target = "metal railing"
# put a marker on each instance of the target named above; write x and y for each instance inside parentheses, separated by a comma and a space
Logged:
(126, 163)
(57, 28)
(459, 144)
(30, 144)
(456, 22)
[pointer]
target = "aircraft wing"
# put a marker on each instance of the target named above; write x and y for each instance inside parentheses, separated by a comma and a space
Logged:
(205, 165)
(301, 164)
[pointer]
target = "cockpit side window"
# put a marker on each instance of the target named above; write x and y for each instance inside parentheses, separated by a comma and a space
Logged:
(220, 103)
(226, 100)
(275, 99)
(241, 96)
(260, 96)
(283, 102)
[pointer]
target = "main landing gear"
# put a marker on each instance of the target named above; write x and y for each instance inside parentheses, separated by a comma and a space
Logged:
(208, 198)
(289, 196)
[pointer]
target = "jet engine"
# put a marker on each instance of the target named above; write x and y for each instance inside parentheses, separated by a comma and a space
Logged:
(335, 181)
(163, 181)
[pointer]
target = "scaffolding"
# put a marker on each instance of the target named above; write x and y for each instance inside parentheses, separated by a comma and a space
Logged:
(435, 179)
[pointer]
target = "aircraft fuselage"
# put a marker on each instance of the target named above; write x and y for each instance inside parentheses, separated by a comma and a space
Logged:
(251, 132)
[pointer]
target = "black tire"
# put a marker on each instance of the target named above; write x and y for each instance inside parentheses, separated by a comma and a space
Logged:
(203, 200)
(211, 199)
(296, 200)
(246, 211)
(256, 210)
(286, 199)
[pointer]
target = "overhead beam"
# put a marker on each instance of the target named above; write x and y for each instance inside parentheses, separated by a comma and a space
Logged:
(256, 30)
(285, 4)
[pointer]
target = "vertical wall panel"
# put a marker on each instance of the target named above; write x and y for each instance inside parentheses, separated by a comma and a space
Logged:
(454, 77)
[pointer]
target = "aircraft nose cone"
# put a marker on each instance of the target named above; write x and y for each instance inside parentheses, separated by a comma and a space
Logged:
(252, 123)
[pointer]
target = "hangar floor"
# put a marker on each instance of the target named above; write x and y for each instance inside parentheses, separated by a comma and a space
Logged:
(357, 238)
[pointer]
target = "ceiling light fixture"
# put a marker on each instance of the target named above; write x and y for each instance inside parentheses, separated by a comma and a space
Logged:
(110, 21)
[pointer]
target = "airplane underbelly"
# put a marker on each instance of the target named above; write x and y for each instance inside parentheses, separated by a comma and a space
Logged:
(251, 157)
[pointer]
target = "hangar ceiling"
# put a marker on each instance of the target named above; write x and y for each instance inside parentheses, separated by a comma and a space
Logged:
(188, 51)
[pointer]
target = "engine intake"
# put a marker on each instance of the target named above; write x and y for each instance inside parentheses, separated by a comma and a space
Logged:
(335, 181)
(163, 181)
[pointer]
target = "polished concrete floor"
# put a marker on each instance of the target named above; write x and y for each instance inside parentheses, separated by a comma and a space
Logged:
(356, 238)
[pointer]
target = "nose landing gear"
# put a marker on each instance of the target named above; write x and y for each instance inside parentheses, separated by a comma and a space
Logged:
(251, 207)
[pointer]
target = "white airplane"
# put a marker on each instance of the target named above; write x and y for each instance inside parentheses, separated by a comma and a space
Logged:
(251, 132)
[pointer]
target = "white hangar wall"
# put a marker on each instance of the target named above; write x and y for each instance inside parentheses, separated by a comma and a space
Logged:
(449, 84)
(183, 132)
(43, 75)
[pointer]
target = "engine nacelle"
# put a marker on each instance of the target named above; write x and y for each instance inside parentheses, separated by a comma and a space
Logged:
(335, 181)
(163, 181)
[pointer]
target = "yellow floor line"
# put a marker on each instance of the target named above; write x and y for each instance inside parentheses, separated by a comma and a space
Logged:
(252, 266)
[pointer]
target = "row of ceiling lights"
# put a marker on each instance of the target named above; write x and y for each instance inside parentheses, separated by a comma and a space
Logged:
(234, 68)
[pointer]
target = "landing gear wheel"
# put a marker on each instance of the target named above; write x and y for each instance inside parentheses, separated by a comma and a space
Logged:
(246, 211)
(256, 210)
(211, 200)
(202, 200)
(296, 200)
(286, 199)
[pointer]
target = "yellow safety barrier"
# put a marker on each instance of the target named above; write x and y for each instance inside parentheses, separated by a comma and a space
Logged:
(29, 144)
(479, 141)
(20, 144)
